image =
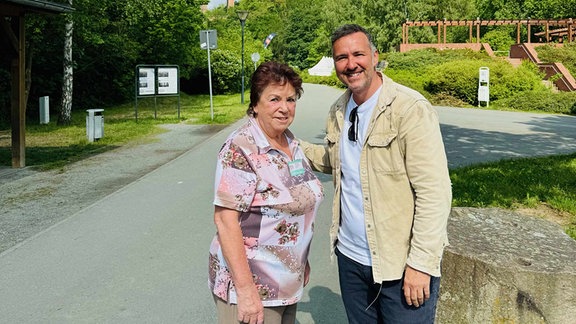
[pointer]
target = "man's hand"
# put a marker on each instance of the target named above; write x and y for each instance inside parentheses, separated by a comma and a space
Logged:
(416, 287)
(250, 309)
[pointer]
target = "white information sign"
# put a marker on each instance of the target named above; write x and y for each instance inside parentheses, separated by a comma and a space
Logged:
(167, 80)
(484, 86)
(146, 81)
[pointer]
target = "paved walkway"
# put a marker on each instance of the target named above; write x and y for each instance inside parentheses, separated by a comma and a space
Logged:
(139, 255)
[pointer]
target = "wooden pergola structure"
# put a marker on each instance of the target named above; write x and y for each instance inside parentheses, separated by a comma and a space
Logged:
(12, 33)
(565, 28)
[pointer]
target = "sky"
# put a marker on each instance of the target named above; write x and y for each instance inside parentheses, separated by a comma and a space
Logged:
(215, 3)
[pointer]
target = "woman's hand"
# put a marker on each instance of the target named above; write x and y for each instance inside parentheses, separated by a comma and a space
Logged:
(250, 309)
(307, 274)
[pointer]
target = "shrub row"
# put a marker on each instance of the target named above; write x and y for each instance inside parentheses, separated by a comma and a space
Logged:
(451, 76)
(325, 80)
(565, 54)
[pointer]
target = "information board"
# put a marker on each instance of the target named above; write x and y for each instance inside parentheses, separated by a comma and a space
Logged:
(156, 81)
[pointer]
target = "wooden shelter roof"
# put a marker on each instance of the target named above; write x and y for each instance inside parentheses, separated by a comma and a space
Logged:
(16, 7)
(541, 22)
(564, 24)
(12, 34)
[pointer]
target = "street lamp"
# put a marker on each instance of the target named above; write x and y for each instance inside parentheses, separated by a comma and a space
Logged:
(242, 15)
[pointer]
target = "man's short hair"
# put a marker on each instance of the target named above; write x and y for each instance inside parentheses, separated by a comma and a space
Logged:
(348, 29)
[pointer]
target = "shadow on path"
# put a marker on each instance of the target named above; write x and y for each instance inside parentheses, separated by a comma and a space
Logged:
(465, 146)
(324, 306)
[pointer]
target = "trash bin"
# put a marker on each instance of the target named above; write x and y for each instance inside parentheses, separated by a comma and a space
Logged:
(94, 124)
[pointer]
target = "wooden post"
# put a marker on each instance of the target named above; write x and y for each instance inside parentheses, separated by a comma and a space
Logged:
(528, 22)
(404, 33)
(569, 30)
(18, 113)
(477, 30)
(444, 25)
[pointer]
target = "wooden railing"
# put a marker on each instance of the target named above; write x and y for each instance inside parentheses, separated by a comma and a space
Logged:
(566, 82)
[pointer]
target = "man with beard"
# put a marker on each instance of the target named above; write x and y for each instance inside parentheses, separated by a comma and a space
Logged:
(392, 189)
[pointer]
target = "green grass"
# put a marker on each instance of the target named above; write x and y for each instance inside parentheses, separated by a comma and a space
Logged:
(51, 146)
(521, 183)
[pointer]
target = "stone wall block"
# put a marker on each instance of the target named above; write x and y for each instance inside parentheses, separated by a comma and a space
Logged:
(504, 267)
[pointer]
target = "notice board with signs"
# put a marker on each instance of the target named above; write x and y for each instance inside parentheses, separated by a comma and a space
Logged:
(156, 81)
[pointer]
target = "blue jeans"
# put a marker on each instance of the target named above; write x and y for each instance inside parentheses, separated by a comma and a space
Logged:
(367, 302)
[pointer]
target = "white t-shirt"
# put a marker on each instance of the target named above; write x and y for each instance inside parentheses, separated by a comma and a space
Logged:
(352, 233)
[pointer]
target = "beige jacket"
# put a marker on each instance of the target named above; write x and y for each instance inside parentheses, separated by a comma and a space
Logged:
(404, 178)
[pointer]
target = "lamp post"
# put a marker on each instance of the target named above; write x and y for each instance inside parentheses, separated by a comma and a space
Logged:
(242, 15)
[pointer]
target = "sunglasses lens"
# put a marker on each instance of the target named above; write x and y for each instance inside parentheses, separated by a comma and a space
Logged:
(353, 127)
(351, 133)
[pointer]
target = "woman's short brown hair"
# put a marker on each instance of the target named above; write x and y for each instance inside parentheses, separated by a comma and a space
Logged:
(271, 73)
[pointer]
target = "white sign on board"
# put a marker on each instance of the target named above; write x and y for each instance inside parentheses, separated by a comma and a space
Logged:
(167, 80)
(146, 81)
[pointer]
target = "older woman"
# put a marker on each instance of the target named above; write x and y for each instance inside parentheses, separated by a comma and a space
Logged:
(266, 198)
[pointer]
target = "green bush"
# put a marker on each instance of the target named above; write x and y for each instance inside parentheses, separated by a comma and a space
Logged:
(565, 55)
(499, 39)
(332, 80)
(409, 78)
(460, 79)
(545, 101)
(226, 72)
(450, 77)
(422, 60)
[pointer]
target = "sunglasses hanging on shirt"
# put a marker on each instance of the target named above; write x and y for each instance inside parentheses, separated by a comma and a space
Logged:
(353, 130)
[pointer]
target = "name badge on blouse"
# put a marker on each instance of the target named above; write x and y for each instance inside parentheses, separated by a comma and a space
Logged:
(296, 167)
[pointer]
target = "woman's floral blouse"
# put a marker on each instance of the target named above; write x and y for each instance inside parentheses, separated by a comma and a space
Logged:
(277, 210)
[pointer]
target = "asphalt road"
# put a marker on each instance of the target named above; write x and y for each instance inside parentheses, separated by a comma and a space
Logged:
(140, 254)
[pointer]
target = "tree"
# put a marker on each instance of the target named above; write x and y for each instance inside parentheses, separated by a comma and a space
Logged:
(112, 37)
(65, 117)
(332, 15)
(301, 26)
(44, 44)
(385, 20)
(266, 16)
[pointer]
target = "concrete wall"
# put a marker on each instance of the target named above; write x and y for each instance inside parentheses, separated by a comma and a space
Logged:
(503, 267)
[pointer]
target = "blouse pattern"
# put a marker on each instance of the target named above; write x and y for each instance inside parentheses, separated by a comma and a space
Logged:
(277, 212)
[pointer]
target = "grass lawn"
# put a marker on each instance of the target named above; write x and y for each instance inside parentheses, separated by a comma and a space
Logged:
(51, 146)
(543, 187)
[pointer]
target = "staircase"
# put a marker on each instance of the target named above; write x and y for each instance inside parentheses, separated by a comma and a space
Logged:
(527, 51)
(516, 62)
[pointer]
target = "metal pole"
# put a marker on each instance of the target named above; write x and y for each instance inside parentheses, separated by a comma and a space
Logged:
(242, 93)
(209, 75)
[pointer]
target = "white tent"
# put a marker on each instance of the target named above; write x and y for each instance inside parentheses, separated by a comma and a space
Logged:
(323, 68)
